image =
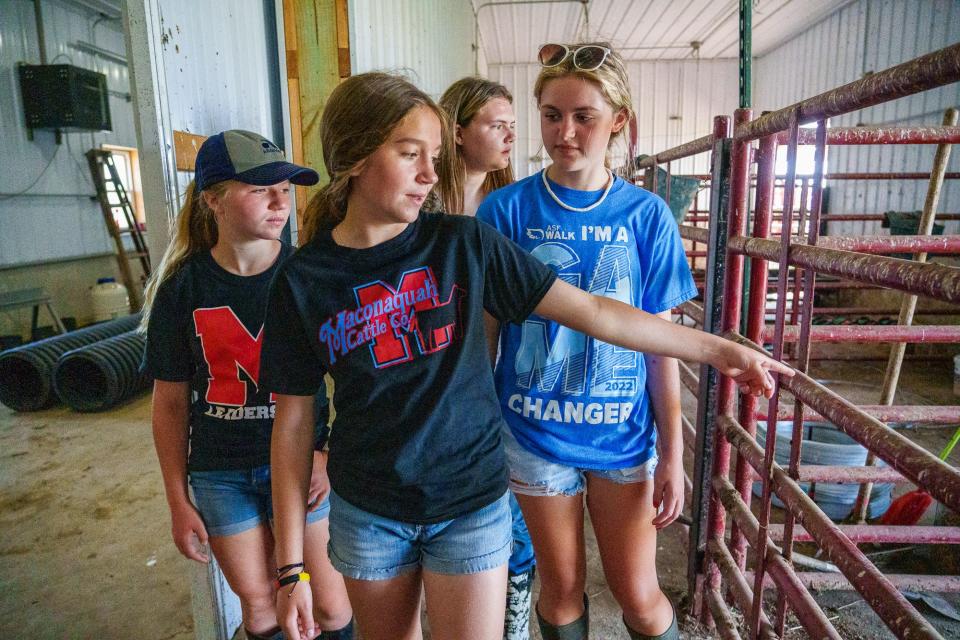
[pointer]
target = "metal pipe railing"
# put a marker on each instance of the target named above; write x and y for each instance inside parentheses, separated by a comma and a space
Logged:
(800, 264)
(729, 321)
(721, 564)
(739, 587)
(873, 533)
(920, 74)
(940, 334)
(925, 414)
(879, 135)
(933, 280)
(914, 462)
(783, 575)
(700, 145)
(892, 607)
(903, 582)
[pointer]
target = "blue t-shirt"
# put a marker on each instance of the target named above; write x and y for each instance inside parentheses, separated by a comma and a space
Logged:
(567, 397)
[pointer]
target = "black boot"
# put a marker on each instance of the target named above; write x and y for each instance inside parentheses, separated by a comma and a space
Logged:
(672, 632)
(344, 633)
(576, 630)
(276, 634)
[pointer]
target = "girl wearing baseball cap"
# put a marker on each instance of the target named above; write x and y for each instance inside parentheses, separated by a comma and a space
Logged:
(212, 421)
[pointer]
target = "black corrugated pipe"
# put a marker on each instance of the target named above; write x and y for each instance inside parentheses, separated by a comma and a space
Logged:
(99, 375)
(26, 373)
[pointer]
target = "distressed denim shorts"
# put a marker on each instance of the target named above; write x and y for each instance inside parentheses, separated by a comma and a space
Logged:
(531, 475)
(233, 501)
(365, 546)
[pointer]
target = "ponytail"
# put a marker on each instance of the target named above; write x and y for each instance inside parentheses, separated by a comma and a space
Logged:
(196, 231)
(326, 209)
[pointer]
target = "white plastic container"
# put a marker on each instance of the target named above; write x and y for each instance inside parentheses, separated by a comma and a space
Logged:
(110, 300)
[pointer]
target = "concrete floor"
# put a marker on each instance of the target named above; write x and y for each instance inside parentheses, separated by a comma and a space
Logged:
(85, 549)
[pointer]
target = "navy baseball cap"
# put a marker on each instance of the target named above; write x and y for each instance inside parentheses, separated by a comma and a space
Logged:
(247, 157)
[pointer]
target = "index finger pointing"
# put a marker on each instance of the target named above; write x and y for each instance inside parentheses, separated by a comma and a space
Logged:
(779, 367)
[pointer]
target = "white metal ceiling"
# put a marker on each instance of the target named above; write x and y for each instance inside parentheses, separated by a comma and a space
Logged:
(511, 30)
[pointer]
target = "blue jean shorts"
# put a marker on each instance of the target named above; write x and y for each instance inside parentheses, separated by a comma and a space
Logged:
(531, 475)
(365, 546)
(233, 501)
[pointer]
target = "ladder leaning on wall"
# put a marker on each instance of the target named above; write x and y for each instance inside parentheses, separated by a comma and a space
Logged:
(107, 180)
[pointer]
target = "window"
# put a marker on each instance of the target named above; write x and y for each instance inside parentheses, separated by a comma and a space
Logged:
(805, 156)
(126, 161)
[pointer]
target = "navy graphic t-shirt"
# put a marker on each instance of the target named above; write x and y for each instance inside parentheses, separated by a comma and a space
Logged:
(206, 328)
(399, 327)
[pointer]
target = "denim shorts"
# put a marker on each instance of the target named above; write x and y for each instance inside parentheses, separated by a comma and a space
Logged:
(234, 501)
(531, 475)
(365, 546)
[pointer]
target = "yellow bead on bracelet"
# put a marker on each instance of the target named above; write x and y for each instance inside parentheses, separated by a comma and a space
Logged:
(303, 576)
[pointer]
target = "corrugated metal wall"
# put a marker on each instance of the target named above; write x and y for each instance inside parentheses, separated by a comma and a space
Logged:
(870, 35)
(675, 102)
(430, 40)
(217, 78)
(55, 218)
(224, 77)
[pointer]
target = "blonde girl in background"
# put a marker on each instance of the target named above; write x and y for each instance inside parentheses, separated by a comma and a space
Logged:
(592, 425)
(483, 128)
(390, 301)
(482, 124)
(212, 421)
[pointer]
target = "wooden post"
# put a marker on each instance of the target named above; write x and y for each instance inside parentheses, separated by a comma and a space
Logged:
(318, 54)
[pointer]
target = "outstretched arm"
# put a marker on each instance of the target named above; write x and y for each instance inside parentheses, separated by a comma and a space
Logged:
(620, 324)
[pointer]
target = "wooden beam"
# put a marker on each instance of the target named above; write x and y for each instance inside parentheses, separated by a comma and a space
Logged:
(312, 30)
(343, 39)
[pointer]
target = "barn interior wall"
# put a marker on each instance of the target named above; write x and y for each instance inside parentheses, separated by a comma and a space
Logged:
(47, 211)
(863, 37)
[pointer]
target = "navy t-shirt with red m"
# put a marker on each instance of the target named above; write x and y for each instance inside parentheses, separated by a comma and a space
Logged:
(399, 327)
(206, 329)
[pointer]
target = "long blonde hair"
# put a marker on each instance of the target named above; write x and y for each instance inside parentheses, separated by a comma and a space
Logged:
(461, 102)
(610, 78)
(359, 116)
(196, 232)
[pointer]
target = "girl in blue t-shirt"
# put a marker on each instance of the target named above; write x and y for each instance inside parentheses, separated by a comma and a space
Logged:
(390, 301)
(212, 422)
(586, 416)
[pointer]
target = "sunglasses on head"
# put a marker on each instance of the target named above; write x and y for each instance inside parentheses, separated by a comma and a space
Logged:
(586, 57)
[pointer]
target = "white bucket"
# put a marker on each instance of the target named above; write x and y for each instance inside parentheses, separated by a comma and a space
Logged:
(110, 300)
(824, 444)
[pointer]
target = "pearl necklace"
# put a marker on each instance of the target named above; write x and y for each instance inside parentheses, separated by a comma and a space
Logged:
(603, 196)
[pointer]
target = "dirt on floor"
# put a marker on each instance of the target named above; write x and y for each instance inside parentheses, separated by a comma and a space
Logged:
(85, 550)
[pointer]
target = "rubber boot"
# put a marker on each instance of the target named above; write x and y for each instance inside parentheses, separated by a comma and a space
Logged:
(672, 632)
(276, 634)
(576, 630)
(516, 623)
(344, 633)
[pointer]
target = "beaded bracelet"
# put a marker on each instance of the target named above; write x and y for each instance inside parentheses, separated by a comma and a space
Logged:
(287, 567)
(293, 579)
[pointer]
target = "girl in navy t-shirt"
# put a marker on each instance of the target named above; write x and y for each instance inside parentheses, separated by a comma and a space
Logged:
(390, 301)
(212, 421)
